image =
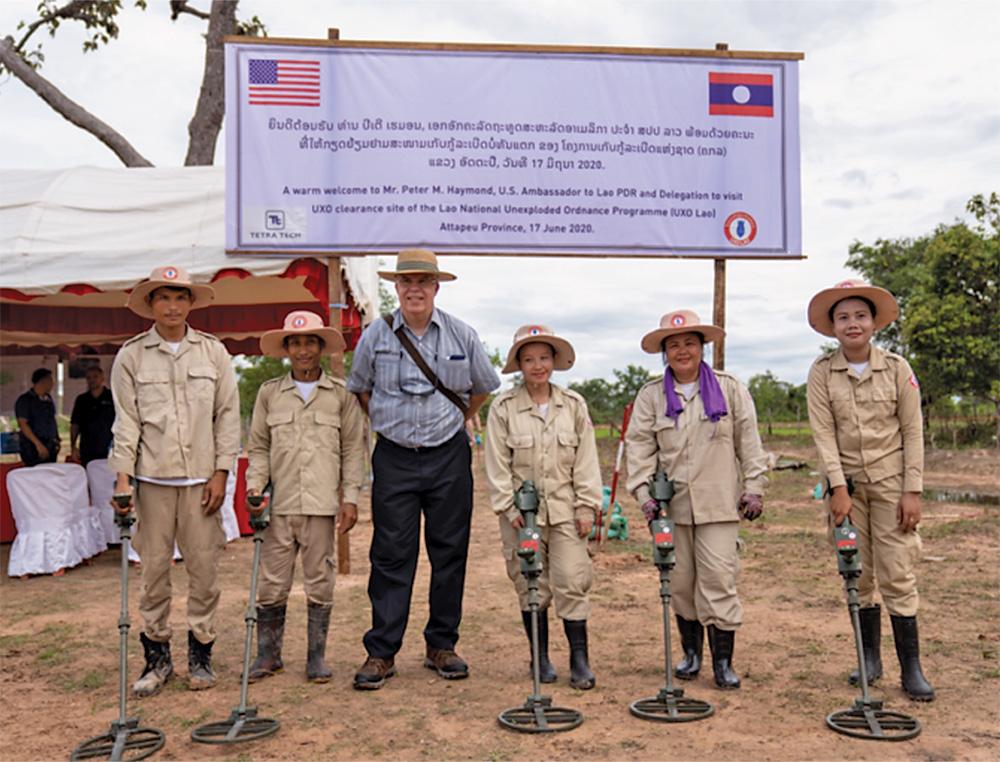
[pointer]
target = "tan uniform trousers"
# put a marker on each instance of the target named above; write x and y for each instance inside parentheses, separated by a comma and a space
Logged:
(166, 514)
(704, 579)
(567, 571)
(888, 554)
(285, 537)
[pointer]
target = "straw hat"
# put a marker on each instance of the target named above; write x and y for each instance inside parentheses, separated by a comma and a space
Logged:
(529, 334)
(177, 277)
(416, 262)
(886, 309)
(298, 323)
(679, 321)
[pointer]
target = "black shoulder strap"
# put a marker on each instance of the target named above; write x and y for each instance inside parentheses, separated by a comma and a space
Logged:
(424, 367)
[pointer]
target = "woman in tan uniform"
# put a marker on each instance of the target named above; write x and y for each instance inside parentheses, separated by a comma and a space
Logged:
(542, 432)
(864, 410)
(700, 427)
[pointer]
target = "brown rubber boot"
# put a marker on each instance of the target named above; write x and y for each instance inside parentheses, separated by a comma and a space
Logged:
(319, 626)
(200, 673)
(159, 668)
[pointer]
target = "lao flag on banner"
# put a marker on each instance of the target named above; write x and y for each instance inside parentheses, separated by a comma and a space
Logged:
(731, 94)
(283, 83)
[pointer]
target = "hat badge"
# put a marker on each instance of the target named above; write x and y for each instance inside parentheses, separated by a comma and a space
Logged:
(845, 284)
(534, 330)
(677, 321)
(298, 321)
(169, 273)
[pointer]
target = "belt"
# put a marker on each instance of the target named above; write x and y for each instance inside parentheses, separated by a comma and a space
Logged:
(420, 448)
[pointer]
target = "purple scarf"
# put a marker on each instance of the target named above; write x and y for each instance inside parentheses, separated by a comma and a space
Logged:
(711, 394)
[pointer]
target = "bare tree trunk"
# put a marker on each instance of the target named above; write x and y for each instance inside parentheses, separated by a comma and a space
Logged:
(207, 120)
(69, 109)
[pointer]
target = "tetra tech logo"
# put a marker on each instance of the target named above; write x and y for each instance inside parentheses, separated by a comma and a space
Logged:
(274, 219)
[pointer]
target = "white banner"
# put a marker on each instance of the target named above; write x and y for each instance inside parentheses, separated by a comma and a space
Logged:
(361, 150)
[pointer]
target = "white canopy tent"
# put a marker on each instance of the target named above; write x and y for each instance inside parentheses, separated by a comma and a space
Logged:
(73, 242)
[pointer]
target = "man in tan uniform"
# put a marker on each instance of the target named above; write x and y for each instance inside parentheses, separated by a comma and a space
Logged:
(305, 438)
(707, 442)
(177, 433)
(864, 410)
(542, 432)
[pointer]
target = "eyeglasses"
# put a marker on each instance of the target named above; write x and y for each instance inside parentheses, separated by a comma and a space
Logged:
(425, 282)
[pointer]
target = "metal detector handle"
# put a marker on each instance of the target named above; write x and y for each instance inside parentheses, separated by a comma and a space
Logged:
(663, 541)
(125, 520)
(845, 538)
(260, 522)
(529, 539)
(661, 489)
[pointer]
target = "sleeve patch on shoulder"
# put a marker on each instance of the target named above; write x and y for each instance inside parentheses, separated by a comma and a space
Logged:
(913, 381)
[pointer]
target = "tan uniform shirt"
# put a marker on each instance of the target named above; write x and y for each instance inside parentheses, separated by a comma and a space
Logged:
(307, 449)
(558, 453)
(175, 415)
(869, 427)
(711, 464)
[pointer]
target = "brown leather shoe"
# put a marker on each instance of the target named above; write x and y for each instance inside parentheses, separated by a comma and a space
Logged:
(447, 663)
(373, 673)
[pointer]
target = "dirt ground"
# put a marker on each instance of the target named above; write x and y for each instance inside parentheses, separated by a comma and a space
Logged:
(59, 652)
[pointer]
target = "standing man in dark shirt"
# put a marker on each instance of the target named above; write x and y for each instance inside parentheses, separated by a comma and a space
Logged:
(93, 415)
(36, 418)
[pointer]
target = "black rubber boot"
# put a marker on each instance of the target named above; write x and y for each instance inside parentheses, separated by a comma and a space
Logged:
(692, 641)
(270, 634)
(871, 644)
(580, 675)
(546, 672)
(721, 644)
(159, 668)
(904, 631)
(319, 626)
(200, 674)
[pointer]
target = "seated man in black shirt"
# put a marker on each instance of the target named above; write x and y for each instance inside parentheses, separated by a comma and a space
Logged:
(36, 418)
(93, 414)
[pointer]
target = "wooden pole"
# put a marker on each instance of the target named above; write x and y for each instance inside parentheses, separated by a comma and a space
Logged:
(719, 314)
(335, 292)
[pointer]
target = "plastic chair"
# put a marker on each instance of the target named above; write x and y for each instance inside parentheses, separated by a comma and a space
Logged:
(101, 481)
(48, 522)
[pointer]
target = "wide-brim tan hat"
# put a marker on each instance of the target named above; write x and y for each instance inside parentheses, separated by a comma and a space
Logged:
(416, 262)
(202, 294)
(529, 334)
(679, 321)
(886, 308)
(297, 323)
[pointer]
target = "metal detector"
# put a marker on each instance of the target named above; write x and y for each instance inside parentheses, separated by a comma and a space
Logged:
(125, 739)
(243, 723)
(866, 719)
(669, 705)
(537, 715)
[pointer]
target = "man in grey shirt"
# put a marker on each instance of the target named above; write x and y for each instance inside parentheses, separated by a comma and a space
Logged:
(421, 464)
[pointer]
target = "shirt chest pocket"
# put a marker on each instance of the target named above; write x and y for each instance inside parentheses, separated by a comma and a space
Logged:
(387, 365)
(719, 431)
(568, 442)
(842, 402)
(328, 431)
(153, 394)
(667, 436)
(455, 372)
(201, 383)
(281, 424)
(521, 449)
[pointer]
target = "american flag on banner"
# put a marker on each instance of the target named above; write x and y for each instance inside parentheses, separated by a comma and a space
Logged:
(283, 83)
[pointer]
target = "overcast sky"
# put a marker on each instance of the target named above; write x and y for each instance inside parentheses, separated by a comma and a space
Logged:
(899, 120)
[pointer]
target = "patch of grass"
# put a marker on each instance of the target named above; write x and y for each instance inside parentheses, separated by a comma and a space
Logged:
(92, 680)
(496, 755)
(53, 654)
(13, 641)
(986, 525)
(990, 674)
(294, 695)
(630, 743)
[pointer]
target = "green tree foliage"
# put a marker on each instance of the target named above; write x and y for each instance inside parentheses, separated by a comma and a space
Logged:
(606, 401)
(777, 400)
(253, 371)
(947, 287)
